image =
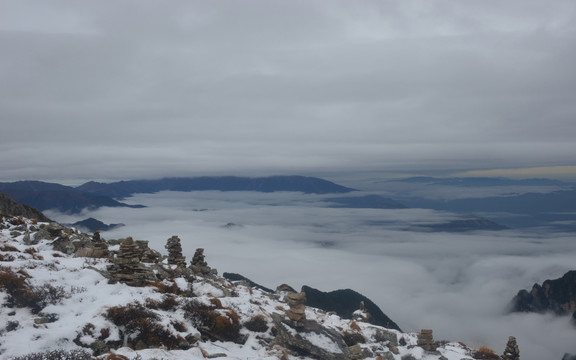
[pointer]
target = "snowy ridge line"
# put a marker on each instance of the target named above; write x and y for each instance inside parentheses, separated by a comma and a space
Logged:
(54, 300)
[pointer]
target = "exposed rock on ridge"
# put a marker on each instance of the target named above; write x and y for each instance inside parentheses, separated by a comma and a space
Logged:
(557, 296)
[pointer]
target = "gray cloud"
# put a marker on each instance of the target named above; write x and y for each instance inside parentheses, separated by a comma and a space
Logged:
(152, 89)
(457, 284)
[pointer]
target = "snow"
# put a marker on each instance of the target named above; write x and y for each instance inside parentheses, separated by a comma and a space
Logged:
(88, 295)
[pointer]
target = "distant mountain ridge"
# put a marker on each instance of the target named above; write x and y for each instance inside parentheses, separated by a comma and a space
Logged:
(47, 196)
(344, 302)
(122, 189)
(479, 181)
(93, 195)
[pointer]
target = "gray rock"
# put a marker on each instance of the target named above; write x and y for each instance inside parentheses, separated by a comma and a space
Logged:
(286, 337)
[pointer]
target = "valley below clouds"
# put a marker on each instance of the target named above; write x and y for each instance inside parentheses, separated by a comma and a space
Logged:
(458, 284)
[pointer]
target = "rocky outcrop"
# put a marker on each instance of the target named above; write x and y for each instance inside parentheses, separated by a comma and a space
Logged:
(11, 207)
(345, 303)
(511, 352)
(304, 340)
(557, 296)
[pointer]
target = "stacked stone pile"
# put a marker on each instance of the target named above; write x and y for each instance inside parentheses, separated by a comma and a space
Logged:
(511, 352)
(426, 340)
(100, 246)
(148, 256)
(199, 266)
(362, 313)
(127, 267)
(297, 311)
(175, 256)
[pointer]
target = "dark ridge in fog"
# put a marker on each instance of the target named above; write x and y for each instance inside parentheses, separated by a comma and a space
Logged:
(308, 185)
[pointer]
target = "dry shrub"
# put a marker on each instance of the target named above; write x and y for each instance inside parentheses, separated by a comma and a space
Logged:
(164, 288)
(77, 354)
(9, 248)
(354, 326)
(116, 357)
(19, 292)
(7, 258)
(227, 326)
(484, 352)
(168, 303)
(141, 325)
(214, 324)
(216, 303)
(257, 323)
(179, 326)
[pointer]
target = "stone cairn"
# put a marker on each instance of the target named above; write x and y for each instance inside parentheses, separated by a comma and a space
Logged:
(175, 256)
(362, 313)
(198, 265)
(127, 267)
(148, 256)
(426, 340)
(100, 246)
(511, 352)
(297, 311)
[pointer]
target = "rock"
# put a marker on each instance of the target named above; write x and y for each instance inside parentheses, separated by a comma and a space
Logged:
(511, 352)
(386, 356)
(426, 340)
(355, 352)
(286, 337)
(387, 337)
(557, 296)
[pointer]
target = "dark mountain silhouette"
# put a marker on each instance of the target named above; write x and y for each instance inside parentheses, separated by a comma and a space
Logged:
(344, 303)
(92, 225)
(479, 181)
(122, 189)
(238, 277)
(365, 202)
(557, 296)
(9, 206)
(66, 199)
(465, 224)
(530, 203)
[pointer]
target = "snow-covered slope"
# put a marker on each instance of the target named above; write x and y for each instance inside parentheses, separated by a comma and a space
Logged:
(55, 300)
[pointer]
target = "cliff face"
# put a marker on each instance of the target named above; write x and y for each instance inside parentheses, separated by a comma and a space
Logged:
(557, 296)
(8, 206)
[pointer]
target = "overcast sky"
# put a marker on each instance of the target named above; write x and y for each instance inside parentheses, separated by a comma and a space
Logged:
(141, 89)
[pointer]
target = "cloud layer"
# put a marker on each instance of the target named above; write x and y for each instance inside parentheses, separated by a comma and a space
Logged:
(102, 91)
(457, 284)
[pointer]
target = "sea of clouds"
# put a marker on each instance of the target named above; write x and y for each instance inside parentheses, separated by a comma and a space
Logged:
(458, 284)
